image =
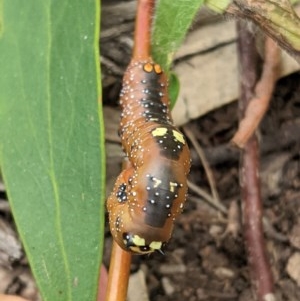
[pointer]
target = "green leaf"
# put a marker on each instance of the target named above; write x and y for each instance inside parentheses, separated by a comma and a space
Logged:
(218, 6)
(51, 148)
(172, 20)
(171, 23)
(174, 86)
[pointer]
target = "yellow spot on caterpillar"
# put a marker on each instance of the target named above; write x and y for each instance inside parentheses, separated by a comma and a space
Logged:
(148, 67)
(179, 137)
(139, 245)
(159, 132)
(138, 241)
(156, 245)
(172, 186)
(157, 69)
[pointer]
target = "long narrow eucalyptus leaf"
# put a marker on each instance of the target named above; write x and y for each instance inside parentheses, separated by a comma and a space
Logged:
(172, 20)
(51, 147)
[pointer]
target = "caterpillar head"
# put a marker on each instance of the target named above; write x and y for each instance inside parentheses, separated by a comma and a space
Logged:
(127, 216)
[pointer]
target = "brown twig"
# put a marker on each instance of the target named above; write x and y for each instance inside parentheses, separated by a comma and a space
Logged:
(205, 164)
(234, 220)
(263, 92)
(249, 174)
(207, 197)
(118, 276)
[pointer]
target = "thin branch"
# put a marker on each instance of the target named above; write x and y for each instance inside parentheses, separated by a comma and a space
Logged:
(207, 197)
(234, 220)
(249, 175)
(118, 276)
(142, 32)
(259, 104)
(205, 164)
(252, 211)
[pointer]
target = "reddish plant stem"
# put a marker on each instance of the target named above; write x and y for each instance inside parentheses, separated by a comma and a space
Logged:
(260, 271)
(259, 104)
(142, 34)
(252, 212)
(102, 284)
(118, 276)
(119, 268)
(120, 260)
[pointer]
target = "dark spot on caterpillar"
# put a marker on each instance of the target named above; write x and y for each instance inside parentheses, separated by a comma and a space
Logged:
(121, 193)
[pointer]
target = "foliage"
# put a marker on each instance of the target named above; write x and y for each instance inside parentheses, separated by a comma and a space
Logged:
(51, 148)
(171, 22)
(51, 128)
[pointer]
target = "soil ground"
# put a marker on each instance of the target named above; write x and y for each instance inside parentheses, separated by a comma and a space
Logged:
(206, 258)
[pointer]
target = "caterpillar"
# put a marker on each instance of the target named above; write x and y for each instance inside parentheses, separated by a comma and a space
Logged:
(150, 193)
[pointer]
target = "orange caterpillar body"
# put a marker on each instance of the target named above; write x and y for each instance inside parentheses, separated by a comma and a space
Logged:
(150, 193)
